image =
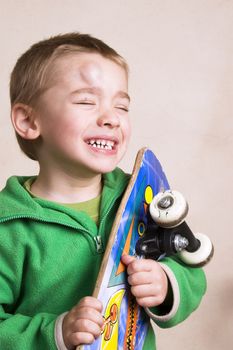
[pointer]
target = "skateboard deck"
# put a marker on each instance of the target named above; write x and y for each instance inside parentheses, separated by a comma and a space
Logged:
(126, 324)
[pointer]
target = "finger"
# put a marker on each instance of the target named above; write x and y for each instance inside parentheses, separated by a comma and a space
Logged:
(127, 259)
(139, 278)
(149, 301)
(86, 326)
(140, 265)
(89, 314)
(145, 290)
(150, 291)
(81, 338)
(90, 302)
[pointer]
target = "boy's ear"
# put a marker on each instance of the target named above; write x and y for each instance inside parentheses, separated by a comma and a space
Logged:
(24, 121)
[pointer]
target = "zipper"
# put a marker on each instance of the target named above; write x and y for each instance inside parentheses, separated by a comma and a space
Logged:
(98, 239)
(108, 211)
(121, 191)
(98, 244)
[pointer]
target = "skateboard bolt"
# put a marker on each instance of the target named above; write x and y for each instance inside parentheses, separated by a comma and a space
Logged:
(144, 248)
(180, 243)
(165, 202)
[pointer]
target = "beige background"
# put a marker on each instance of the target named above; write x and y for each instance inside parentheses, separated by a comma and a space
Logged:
(181, 58)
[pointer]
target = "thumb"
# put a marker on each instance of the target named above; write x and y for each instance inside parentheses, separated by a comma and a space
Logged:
(127, 259)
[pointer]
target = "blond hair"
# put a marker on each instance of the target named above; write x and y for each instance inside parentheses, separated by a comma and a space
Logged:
(29, 76)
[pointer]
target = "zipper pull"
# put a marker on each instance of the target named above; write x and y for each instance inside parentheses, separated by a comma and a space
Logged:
(98, 244)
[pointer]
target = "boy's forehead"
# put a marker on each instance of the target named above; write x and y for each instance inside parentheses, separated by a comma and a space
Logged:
(89, 67)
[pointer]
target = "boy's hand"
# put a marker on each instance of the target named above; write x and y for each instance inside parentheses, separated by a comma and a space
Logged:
(148, 281)
(82, 325)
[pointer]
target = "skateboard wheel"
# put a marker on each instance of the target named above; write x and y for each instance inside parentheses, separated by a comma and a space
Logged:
(201, 256)
(168, 209)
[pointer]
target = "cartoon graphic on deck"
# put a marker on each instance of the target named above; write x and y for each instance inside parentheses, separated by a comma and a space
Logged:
(109, 334)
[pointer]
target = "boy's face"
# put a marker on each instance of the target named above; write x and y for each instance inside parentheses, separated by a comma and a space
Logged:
(83, 116)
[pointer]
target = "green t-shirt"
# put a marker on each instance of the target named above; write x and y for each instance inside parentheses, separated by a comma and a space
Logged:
(90, 207)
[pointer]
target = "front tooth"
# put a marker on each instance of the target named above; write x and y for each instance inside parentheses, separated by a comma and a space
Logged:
(107, 144)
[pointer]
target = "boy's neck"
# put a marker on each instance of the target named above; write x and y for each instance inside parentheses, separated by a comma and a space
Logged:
(66, 189)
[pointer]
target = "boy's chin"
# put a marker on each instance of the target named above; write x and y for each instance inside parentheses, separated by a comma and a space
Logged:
(103, 167)
(106, 169)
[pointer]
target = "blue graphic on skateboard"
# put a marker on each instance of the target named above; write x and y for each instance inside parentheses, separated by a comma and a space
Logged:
(126, 323)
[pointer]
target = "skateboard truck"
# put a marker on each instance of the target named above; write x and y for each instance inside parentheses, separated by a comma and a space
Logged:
(168, 234)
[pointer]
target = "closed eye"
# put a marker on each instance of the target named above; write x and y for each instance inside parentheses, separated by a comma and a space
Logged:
(123, 108)
(84, 103)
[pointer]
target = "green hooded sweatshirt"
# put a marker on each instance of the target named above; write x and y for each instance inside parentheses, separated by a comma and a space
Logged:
(50, 257)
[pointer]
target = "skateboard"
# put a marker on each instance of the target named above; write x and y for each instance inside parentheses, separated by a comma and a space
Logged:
(133, 232)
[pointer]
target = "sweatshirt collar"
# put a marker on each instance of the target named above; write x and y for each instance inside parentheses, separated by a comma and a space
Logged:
(16, 202)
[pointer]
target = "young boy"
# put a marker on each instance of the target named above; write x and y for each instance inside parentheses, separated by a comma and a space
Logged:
(70, 112)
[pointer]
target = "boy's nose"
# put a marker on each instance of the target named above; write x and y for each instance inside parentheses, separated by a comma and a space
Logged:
(109, 118)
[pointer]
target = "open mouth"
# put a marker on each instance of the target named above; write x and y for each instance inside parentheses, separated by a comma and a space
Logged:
(102, 144)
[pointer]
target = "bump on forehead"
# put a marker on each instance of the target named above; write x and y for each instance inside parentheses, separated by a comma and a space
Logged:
(89, 68)
(90, 72)
(95, 71)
